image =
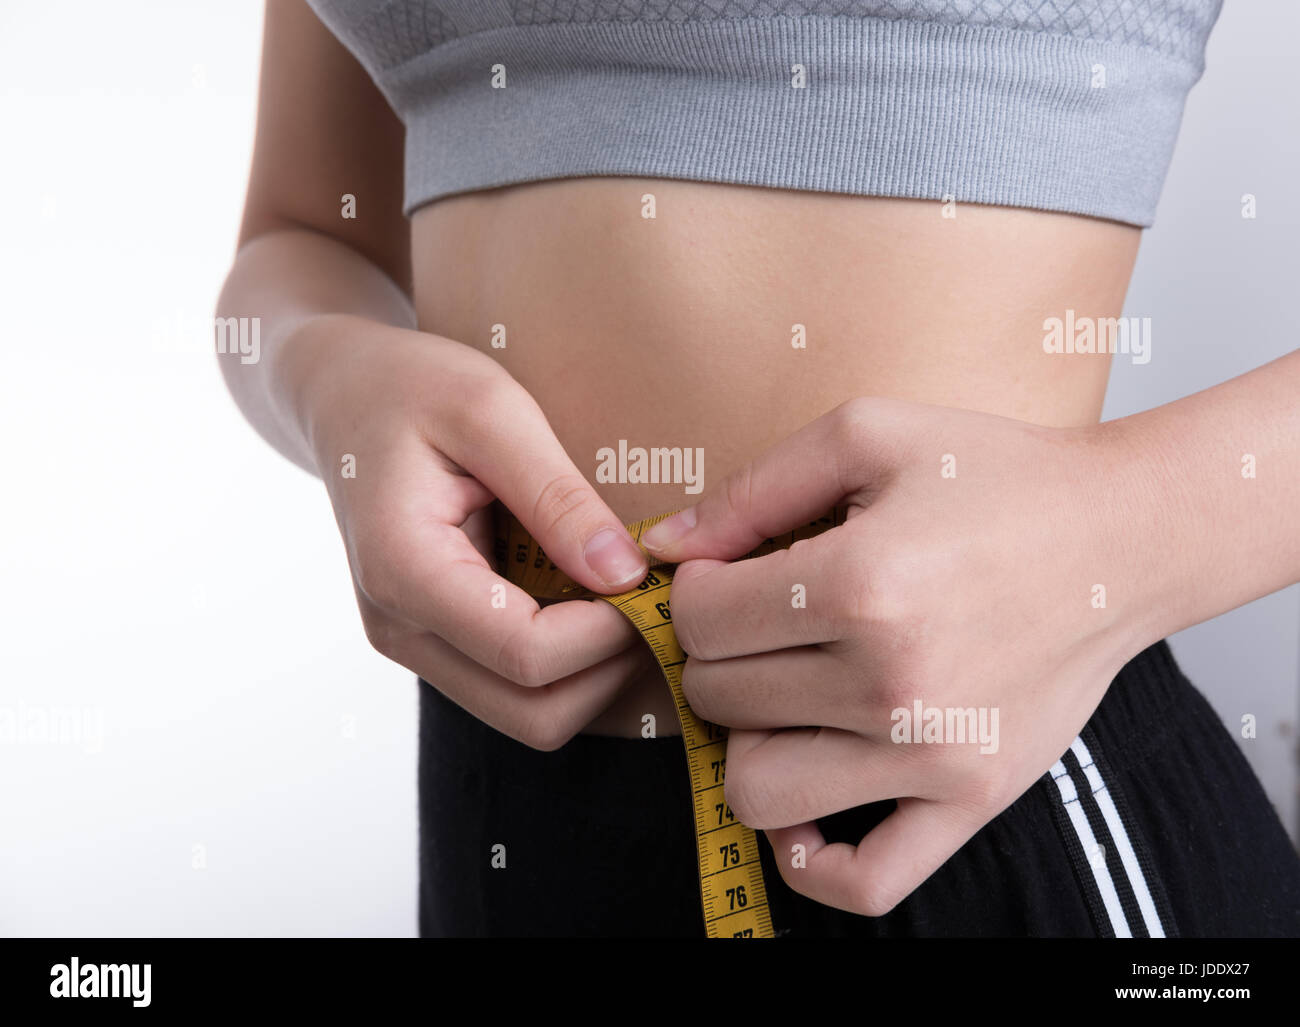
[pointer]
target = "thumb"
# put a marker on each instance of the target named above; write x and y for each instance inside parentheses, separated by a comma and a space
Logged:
(794, 482)
(521, 462)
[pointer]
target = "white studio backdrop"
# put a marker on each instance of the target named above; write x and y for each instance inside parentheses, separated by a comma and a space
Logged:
(165, 570)
(223, 753)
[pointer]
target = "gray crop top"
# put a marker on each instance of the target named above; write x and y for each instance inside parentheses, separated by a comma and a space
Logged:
(1066, 105)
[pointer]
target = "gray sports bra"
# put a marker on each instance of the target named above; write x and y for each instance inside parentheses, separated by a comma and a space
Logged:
(1066, 105)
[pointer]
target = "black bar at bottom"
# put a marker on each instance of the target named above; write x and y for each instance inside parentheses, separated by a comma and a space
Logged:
(334, 977)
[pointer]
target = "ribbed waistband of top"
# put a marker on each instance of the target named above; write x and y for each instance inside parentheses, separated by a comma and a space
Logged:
(916, 109)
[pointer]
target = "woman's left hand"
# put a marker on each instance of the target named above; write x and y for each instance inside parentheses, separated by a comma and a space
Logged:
(987, 564)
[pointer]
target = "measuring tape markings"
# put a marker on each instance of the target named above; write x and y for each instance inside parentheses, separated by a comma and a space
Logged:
(733, 894)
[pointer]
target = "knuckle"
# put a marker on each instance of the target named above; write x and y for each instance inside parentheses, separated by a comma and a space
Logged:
(697, 696)
(982, 793)
(375, 582)
(895, 690)
(562, 502)
(738, 489)
(380, 634)
(872, 897)
(522, 661)
(851, 421)
(859, 408)
(749, 797)
(858, 433)
(696, 624)
(542, 729)
(879, 594)
(481, 400)
(691, 636)
(500, 403)
(373, 562)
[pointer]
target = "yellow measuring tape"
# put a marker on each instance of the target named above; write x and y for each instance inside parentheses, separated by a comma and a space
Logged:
(731, 877)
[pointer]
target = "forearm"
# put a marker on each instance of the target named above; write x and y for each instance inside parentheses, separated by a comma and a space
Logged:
(291, 279)
(1214, 483)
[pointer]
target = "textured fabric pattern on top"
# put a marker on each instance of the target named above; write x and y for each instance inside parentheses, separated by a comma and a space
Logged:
(1175, 27)
(384, 33)
(392, 31)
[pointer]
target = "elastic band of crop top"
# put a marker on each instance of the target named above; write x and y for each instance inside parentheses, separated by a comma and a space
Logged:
(898, 108)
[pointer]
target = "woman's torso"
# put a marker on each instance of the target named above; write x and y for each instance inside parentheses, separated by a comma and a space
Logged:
(680, 330)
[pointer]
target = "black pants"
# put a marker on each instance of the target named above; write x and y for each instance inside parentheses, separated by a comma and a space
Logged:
(1152, 824)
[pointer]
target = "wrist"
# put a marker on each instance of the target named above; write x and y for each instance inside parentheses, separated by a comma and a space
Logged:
(1139, 500)
(311, 370)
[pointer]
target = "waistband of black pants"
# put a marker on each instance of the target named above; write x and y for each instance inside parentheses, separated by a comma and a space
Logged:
(1148, 698)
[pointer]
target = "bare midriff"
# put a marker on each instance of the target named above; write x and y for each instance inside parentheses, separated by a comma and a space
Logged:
(735, 315)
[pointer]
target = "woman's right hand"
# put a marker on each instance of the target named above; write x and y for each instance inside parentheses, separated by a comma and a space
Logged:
(414, 436)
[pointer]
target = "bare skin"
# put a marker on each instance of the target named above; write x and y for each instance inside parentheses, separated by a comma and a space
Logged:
(924, 337)
(677, 331)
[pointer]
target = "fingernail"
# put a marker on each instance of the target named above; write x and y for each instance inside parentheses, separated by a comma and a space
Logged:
(614, 558)
(669, 530)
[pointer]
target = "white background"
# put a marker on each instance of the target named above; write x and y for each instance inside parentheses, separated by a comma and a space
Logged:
(169, 577)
